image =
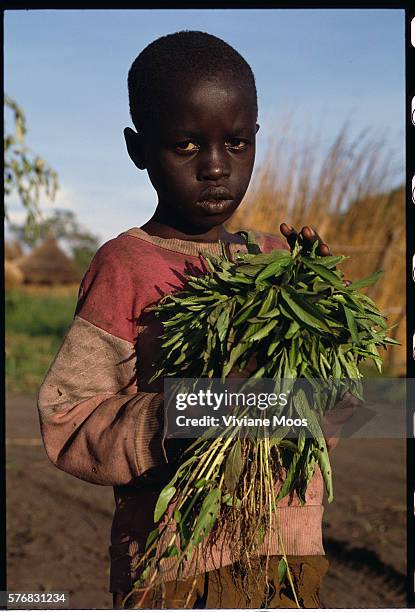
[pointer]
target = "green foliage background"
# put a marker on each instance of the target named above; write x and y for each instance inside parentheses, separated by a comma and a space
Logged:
(25, 172)
(35, 327)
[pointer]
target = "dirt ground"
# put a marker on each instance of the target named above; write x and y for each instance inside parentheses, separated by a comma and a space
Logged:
(58, 527)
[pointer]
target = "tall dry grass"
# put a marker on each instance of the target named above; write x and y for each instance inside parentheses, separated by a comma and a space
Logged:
(343, 189)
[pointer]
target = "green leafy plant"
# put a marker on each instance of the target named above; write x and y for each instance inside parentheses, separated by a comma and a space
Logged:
(293, 313)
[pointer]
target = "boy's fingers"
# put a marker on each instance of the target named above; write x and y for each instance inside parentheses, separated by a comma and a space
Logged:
(342, 411)
(290, 234)
(310, 235)
(286, 229)
(324, 249)
(347, 404)
(350, 400)
(307, 237)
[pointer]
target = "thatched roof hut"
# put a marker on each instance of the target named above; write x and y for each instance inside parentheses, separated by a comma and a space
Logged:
(13, 276)
(12, 250)
(47, 264)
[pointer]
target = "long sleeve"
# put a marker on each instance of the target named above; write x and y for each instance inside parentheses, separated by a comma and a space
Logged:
(333, 421)
(94, 423)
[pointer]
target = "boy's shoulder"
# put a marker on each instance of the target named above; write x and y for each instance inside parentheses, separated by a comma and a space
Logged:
(120, 249)
(113, 291)
(268, 242)
(121, 262)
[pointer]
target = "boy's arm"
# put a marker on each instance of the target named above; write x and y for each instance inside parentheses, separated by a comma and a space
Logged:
(333, 421)
(94, 424)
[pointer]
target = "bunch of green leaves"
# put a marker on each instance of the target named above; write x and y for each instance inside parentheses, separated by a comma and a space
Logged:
(294, 314)
(291, 310)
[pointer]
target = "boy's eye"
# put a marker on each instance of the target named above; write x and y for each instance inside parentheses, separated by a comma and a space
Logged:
(237, 144)
(187, 146)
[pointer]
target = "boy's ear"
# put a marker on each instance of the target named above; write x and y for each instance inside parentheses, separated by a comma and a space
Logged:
(256, 128)
(135, 147)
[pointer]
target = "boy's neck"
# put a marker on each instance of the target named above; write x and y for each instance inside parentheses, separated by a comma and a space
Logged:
(168, 230)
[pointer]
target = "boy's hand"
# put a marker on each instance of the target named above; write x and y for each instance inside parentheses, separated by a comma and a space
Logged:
(332, 422)
(308, 236)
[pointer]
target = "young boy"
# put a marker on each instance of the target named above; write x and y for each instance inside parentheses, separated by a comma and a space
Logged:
(194, 106)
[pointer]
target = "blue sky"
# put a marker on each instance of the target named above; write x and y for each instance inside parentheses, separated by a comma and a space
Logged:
(68, 71)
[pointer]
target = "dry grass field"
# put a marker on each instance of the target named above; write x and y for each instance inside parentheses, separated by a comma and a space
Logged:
(342, 188)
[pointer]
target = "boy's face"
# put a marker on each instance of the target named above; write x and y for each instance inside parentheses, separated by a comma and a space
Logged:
(200, 156)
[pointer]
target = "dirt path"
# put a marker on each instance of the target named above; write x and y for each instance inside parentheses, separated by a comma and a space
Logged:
(365, 527)
(58, 527)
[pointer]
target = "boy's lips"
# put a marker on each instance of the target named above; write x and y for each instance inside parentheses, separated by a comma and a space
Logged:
(215, 207)
(215, 200)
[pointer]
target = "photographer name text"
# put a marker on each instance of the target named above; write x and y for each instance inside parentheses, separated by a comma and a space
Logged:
(208, 420)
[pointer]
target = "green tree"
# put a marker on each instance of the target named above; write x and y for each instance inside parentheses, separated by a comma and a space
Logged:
(25, 172)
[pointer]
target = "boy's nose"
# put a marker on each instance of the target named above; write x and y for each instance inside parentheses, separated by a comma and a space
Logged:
(213, 166)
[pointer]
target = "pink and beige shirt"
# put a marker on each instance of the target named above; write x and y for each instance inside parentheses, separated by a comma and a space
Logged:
(101, 420)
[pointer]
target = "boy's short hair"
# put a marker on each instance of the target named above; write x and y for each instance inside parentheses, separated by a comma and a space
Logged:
(175, 60)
